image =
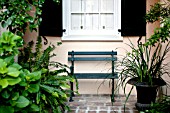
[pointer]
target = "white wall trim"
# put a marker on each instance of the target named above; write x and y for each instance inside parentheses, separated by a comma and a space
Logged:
(92, 38)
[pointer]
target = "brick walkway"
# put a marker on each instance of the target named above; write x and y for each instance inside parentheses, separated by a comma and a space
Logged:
(88, 103)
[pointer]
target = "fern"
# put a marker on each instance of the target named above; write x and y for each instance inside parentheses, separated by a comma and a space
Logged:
(54, 85)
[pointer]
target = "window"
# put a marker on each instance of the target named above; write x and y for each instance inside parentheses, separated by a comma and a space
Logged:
(91, 19)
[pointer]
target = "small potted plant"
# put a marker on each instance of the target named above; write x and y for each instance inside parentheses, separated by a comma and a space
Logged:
(145, 64)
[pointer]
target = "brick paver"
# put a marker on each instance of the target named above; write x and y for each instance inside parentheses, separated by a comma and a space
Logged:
(88, 103)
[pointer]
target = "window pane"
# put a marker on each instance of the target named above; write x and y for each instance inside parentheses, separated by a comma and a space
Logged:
(107, 21)
(91, 5)
(107, 5)
(76, 5)
(76, 21)
(92, 15)
(91, 21)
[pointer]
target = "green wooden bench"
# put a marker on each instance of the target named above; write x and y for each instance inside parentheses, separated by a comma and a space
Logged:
(75, 56)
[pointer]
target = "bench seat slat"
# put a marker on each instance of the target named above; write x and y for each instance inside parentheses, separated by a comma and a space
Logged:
(93, 53)
(95, 75)
(92, 59)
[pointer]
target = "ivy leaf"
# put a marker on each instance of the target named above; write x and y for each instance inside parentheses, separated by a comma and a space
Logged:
(9, 60)
(3, 83)
(3, 68)
(22, 102)
(12, 81)
(33, 88)
(34, 76)
(14, 72)
(16, 65)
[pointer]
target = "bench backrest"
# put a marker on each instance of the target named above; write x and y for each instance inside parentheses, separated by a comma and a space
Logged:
(73, 56)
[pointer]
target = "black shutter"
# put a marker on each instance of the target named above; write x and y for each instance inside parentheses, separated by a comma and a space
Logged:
(51, 24)
(132, 17)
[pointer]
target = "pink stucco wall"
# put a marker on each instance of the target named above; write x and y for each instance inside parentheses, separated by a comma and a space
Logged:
(91, 86)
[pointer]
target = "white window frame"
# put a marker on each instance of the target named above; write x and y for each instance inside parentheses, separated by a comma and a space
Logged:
(107, 35)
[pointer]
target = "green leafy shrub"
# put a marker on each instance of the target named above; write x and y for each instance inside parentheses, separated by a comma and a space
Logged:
(54, 84)
(18, 87)
(36, 88)
(17, 17)
(159, 12)
(9, 44)
(31, 86)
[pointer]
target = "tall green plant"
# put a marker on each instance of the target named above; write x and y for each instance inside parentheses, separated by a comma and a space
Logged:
(144, 62)
(54, 85)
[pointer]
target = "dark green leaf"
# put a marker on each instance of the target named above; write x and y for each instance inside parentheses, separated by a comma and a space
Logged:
(6, 109)
(33, 88)
(5, 94)
(22, 102)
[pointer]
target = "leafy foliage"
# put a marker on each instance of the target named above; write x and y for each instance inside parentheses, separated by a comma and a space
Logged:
(16, 15)
(162, 106)
(29, 86)
(17, 91)
(161, 12)
(54, 84)
(9, 44)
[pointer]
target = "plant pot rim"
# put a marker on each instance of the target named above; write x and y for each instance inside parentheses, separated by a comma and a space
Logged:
(156, 82)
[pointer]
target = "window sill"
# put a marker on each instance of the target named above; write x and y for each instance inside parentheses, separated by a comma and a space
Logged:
(92, 38)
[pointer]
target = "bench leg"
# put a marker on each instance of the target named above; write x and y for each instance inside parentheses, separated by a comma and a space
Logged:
(112, 95)
(72, 92)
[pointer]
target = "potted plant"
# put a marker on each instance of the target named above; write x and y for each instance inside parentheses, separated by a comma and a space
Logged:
(144, 66)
